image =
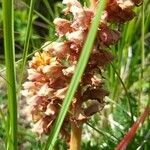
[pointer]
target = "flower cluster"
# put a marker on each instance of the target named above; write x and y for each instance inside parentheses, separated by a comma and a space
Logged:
(50, 71)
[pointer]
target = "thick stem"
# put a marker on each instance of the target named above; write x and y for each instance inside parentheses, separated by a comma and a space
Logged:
(76, 133)
(93, 3)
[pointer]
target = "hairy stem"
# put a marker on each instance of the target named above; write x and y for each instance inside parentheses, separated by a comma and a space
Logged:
(76, 133)
(93, 3)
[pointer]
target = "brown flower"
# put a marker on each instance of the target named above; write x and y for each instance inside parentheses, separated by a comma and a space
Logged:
(119, 11)
(50, 71)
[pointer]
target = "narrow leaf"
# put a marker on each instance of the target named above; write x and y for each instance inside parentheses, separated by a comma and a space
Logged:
(27, 39)
(130, 134)
(8, 27)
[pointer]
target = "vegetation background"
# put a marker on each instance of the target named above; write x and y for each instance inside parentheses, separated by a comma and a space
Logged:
(127, 78)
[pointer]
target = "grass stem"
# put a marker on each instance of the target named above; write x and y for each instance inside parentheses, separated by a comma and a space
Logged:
(8, 27)
(27, 39)
(142, 55)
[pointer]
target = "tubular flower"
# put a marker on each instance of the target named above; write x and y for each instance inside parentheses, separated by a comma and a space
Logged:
(50, 71)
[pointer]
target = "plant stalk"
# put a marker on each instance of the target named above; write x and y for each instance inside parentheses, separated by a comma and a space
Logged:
(8, 26)
(93, 3)
(75, 140)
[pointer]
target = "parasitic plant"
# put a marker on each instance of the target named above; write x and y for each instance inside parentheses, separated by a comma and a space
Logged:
(50, 71)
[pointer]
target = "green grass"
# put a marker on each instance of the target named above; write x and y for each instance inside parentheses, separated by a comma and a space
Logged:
(8, 26)
(27, 40)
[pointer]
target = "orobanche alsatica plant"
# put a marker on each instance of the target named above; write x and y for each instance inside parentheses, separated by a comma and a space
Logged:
(50, 71)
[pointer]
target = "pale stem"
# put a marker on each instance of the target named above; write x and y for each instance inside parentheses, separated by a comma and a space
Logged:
(76, 133)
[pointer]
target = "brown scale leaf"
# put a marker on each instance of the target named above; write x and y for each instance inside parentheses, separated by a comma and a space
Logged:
(100, 58)
(95, 94)
(63, 26)
(117, 13)
(108, 36)
(92, 109)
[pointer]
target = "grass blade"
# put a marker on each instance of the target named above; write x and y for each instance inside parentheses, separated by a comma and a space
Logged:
(130, 134)
(126, 91)
(111, 137)
(142, 54)
(8, 25)
(49, 9)
(41, 16)
(146, 139)
(27, 39)
(77, 76)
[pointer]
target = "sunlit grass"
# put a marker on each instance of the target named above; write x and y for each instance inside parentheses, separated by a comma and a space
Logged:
(8, 26)
(27, 40)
